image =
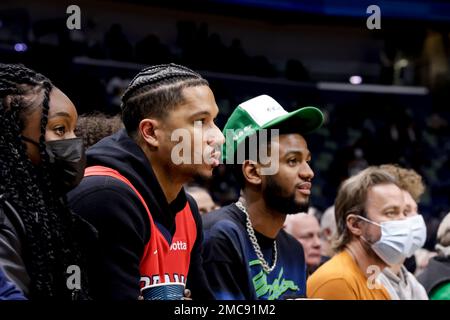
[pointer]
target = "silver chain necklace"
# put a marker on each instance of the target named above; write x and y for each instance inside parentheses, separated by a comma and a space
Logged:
(254, 241)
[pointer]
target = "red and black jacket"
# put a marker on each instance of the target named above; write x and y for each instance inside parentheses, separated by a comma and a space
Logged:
(129, 233)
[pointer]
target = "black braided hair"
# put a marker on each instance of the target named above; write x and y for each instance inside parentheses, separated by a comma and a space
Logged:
(154, 91)
(48, 245)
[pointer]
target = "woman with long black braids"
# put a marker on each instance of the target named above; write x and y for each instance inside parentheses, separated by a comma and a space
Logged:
(40, 160)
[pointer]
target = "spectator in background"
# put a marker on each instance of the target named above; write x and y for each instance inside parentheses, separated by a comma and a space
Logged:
(401, 284)
(357, 163)
(201, 195)
(328, 231)
(305, 228)
(115, 88)
(248, 255)
(117, 45)
(150, 50)
(436, 277)
(368, 206)
(238, 60)
(95, 126)
(296, 71)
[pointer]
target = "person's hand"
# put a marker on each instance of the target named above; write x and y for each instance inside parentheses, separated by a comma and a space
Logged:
(187, 295)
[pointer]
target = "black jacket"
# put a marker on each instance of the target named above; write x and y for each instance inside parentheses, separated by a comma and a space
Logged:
(436, 273)
(12, 233)
(122, 221)
(13, 243)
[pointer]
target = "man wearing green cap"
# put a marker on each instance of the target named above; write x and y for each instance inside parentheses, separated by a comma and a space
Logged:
(247, 254)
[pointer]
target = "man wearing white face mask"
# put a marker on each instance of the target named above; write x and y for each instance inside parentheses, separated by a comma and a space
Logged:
(372, 233)
(399, 282)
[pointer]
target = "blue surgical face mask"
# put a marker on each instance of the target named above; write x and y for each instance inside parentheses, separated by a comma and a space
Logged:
(399, 238)
(419, 233)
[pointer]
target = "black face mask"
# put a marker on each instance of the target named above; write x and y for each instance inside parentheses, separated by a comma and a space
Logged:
(67, 161)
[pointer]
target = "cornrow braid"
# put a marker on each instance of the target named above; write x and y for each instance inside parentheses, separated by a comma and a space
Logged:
(156, 90)
(155, 74)
(48, 248)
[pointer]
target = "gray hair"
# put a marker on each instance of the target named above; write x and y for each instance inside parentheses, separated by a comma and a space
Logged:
(328, 220)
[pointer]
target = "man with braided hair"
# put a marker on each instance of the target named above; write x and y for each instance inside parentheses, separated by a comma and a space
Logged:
(150, 231)
(40, 160)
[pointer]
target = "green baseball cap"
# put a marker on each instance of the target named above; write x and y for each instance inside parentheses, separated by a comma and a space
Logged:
(264, 112)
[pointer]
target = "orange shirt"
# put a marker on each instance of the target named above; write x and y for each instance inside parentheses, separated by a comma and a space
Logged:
(341, 279)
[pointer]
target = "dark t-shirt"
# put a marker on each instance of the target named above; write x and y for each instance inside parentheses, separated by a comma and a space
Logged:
(233, 269)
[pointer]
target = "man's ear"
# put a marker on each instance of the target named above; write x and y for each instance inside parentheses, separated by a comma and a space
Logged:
(251, 171)
(327, 233)
(353, 224)
(147, 130)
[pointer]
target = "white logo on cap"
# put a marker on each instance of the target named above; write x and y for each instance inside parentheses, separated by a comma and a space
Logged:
(241, 132)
